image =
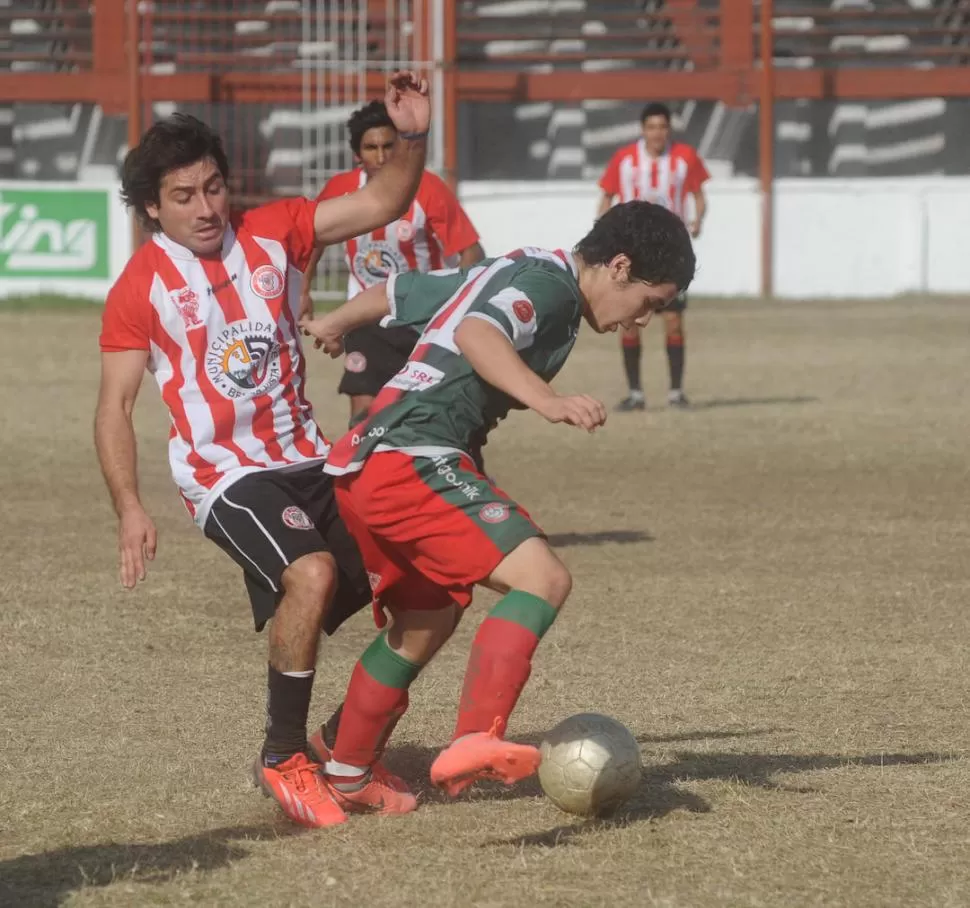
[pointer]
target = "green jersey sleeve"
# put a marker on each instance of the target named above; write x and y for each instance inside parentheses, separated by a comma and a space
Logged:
(538, 301)
(414, 298)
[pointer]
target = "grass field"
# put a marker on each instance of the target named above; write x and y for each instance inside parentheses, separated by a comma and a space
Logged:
(771, 592)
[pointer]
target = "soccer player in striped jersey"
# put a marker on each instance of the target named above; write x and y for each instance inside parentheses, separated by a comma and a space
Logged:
(664, 172)
(430, 525)
(434, 233)
(209, 306)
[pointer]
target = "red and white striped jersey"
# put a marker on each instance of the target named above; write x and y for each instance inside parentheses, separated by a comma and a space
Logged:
(666, 180)
(433, 233)
(224, 348)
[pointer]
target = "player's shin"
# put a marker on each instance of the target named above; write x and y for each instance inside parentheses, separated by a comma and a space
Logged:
(376, 699)
(287, 705)
(501, 660)
(676, 357)
(632, 353)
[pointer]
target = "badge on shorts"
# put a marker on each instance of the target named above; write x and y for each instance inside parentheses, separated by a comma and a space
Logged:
(494, 512)
(355, 362)
(296, 519)
(374, 580)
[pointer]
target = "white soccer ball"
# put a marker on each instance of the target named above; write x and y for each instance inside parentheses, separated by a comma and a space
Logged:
(590, 765)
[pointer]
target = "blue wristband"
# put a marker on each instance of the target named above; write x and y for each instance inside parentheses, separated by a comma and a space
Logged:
(413, 136)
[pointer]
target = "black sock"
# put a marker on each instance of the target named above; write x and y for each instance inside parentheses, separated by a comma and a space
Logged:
(676, 354)
(287, 705)
(631, 363)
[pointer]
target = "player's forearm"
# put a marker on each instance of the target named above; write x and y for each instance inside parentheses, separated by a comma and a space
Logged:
(367, 308)
(606, 202)
(700, 206)
(384, 199)
(471, 256)
(114, 439)
(390, 191)
(490, 353)
(311, 270)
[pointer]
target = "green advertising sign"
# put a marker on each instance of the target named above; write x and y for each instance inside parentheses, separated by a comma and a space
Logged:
(60, 233)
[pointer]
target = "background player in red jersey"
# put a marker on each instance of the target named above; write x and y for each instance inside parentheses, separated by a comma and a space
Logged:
(434, 233)
(209, 305)
(664, 172)
(431, 526)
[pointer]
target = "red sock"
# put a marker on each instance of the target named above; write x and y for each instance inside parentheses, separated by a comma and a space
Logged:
(376, 699)
(501, 661)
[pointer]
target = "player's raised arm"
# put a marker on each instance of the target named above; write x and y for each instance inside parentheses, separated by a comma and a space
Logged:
(114, 438)
(492, 355)
(388, 195)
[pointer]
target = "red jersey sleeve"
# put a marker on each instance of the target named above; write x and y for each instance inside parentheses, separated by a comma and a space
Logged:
(340, 184)
(610, 181)
(446, 217)
(291, 222)
(697, 174)
(126, 323)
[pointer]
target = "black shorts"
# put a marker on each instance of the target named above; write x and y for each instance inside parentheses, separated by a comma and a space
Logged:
(266, 520)
(678, 305)
(374, 355)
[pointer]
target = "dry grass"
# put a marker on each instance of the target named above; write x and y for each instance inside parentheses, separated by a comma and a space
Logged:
(771, 592)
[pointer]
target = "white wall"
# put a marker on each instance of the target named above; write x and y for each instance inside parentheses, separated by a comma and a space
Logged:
(833, 238)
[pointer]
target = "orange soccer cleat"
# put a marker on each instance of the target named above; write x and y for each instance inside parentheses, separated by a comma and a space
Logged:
(483, 755)
(299, 789)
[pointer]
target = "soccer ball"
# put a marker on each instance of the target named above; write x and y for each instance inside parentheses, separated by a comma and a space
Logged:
(590, 765)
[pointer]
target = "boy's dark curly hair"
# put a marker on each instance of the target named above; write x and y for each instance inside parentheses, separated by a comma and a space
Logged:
(655, 240)
(370, 116)
(176, 141)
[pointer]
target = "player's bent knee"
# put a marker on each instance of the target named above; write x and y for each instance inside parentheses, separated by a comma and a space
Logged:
(534, 568)
(312, 577)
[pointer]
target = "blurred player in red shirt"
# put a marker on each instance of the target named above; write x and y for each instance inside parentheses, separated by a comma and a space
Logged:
(435, 233)
(664, 172)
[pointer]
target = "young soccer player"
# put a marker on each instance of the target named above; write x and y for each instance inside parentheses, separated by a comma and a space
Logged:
(431, 526)
(664, 172)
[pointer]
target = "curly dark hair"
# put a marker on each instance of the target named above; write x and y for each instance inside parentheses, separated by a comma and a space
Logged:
(370, 116)
(655, 240)
(655, 109)
(176, 141)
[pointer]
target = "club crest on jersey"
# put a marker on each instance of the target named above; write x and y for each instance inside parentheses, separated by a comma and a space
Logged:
(405, 231)
(186, 303)
(523, 311)
(355, 362)
(267, 282)
(494, 512)
(243, 360)
(296, 518)
(375, 262)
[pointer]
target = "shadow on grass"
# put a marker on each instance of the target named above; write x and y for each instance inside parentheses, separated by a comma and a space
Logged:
(659, 793)
(718, 402)
(47, 879)
(601, 537)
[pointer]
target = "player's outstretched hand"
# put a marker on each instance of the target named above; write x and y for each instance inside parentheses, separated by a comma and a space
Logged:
(325, 336)
(576, 410)
(407, 102)
(137, 540)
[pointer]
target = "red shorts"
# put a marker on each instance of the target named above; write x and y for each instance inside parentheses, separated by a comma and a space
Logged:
(428, 528)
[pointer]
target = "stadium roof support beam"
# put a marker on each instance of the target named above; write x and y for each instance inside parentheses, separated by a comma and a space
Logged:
(845, 84)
